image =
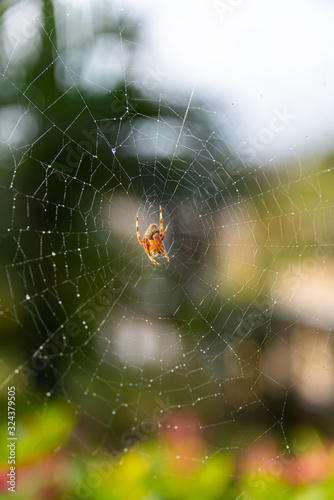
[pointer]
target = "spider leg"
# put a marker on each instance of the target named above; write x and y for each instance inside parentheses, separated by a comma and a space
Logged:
(164, 253)
(151, 259)
(162, 237)
(160, 221)
(138, 235)
(162, 233)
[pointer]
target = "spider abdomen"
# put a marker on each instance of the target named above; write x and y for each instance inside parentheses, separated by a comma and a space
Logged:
(151, 231)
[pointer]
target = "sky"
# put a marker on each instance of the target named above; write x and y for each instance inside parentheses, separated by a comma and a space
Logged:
(263, 57)
(267, 67)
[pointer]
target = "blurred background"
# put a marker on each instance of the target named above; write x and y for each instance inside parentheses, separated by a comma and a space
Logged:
(209, 376)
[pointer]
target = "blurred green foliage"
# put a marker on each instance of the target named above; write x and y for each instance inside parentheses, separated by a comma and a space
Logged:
(48, 469)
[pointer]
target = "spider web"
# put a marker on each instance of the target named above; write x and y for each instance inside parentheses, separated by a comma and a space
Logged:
(235, 329)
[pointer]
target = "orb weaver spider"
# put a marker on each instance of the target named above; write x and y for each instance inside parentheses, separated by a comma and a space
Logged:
(152, 241)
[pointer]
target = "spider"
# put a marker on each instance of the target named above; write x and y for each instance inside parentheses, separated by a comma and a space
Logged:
(152, 241)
